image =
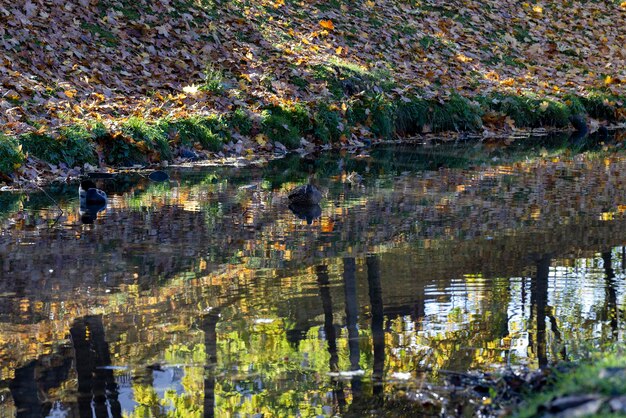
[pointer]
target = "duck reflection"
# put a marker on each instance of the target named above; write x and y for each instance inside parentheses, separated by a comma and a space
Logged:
(306, 212)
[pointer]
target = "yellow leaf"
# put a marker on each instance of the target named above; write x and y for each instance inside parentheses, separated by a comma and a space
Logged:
(327, 24)
(608, 80)
(623, 5)
(70, 93)
(261, 139)
(338, 50)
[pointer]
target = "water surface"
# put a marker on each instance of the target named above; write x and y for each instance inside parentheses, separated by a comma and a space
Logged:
(207, 296)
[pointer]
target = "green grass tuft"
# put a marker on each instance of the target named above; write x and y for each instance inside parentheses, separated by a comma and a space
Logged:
(240, 121)
(382, 111)
(329, 125)
(192, 130)
(530, 111)
(73, 146)
(601, 106)
(213, 79)
(11, 155)
(286, 124)
(456, 114)
(148, 138)
(410, 117)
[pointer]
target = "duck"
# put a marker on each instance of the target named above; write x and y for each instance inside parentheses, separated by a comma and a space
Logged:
(305, 195)
(89, 195)
(579, 123)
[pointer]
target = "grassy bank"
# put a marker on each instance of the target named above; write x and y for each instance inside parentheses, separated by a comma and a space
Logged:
(589, 388)
(136, 82)
(362, 118)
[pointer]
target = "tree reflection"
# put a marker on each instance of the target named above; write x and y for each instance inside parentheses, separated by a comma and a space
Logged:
(97, 388)
(378, 333)
(538, 305)
(209, 326)
(352, 309)
(610, 294)
(323, 282)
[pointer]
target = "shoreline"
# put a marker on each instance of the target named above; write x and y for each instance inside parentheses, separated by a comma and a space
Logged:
(92, 146)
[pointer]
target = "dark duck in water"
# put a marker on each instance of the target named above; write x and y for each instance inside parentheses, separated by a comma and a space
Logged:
(92, 201)
(306, 195)
(89, 195)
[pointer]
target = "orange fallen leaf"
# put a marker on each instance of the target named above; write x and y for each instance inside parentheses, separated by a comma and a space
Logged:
(327, 24)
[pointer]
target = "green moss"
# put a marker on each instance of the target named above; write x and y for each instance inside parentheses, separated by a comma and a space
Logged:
(73, 146)
(11, 155)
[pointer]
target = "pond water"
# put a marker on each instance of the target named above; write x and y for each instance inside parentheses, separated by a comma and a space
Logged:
(207, 296)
